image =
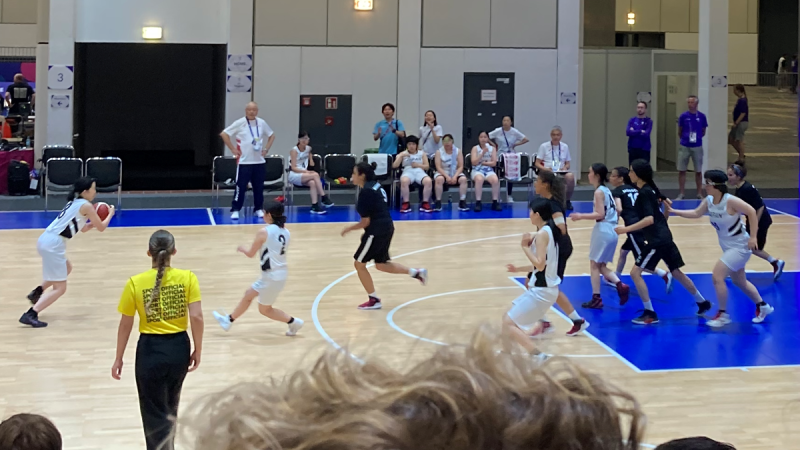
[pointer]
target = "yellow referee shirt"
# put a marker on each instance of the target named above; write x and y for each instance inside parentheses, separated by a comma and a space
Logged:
(171, 314)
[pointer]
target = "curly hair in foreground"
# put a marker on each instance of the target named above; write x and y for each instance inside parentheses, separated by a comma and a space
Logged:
(471, 397)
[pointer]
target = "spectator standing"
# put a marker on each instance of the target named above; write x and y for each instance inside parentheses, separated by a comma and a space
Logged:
(507, 139)
(639, 128)
(692, 126)
(19, 92)
(430, 134)
(249, 133)
(782, 66)
(741, 120)
(389, 131)
(553, 156)
(29, 432)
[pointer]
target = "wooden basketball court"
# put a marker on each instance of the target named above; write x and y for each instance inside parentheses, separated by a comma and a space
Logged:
(64, 370)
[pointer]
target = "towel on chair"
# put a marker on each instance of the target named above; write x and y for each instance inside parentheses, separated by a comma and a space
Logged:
(512, 166)
(381, 161)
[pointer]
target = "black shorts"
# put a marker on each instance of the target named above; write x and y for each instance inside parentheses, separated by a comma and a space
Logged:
(635, 243)
(668, 253)
(374, 247)
(564, 252)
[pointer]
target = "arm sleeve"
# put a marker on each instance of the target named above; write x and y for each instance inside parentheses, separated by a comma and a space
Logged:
(494, 134)
(267, 130)
(377, 128)
(400, 126)
(194, 289)
(705, 121)
(234, 128)
(628, 131)
(127, 302)
(649, 127)
(540, 152)
(519, 135)
(569, 157)
(752, 198)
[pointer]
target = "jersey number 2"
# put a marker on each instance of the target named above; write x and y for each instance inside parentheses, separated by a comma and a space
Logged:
(282, 240)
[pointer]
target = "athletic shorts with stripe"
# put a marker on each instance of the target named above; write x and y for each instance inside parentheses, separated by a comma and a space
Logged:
(635, 243)
(374, 248)
(668, 253)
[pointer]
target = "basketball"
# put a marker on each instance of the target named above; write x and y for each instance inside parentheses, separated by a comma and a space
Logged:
(102, 210)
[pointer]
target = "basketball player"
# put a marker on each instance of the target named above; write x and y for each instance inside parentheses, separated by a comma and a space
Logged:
(484, 159)
(625, 194)
(415, 171)
(373, 207)
(541, 249)
(725, 211)
(300, 159)
(660, 245)
(270, 244)
(449, 172)
(52, 247)
(604, 239)
(749, 193)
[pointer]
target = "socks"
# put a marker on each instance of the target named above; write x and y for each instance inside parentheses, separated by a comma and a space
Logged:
(762, 303)
(648, 306)
(771, 259)
(619, 275)
(463, 197)
(412, 272)
(291, 319)
(698, 297)
(661, 272)
(230, 317)
(575, 316)
(374, 295)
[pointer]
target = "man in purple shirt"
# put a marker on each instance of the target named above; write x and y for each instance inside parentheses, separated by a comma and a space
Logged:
(638, 132)
(692, 127)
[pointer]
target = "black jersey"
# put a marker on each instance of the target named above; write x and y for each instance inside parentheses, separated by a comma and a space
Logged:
(750, 195)
(646, 204)
(627, 196)
(557, 207)
(373, 203)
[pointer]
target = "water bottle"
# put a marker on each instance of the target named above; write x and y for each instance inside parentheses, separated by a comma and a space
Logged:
(28, 142)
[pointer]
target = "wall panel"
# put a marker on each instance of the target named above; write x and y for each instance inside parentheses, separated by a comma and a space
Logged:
(456, 23)
(378, 27)
(291, 22)
(523, 23)
(737, 16)
(19, 11)
(648, 15)
(675, 16)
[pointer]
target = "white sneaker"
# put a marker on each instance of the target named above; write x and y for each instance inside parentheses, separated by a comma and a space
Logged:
(720, 320)
(510, 199)
(762, 312)
(422, 276)
(224, 320)
(680, 197)
(235, 215)
(294, 327)
(260, 214)
(541, 357)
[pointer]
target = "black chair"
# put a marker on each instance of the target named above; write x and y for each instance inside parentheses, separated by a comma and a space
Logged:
(317, 167)
(54, 151)
(340, 166)
(525, 172)
(387, 179)
(107, 173)
(223, 176)
(62, 173)
(275, 176)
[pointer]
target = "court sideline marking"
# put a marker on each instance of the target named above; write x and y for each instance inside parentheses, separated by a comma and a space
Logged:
(211, 217)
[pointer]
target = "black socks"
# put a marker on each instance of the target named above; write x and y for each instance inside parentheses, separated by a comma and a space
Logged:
(231, 318)
(290, 320)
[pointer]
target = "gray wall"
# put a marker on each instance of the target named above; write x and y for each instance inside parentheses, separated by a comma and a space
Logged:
(599, 23)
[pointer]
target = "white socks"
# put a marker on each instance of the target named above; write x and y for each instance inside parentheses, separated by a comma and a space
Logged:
(374, 294)
(574, 315)
(413, 272)
(661, 272)
(648, 306)
(771, 259)
(698, 297)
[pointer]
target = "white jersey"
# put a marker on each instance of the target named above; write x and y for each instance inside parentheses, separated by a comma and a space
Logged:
(70, 221)
(609, 206)
(413, 158)
(485, 155)
(302, 157)
(731, 231)
(549, 276)
(449, 161)
(273, 251)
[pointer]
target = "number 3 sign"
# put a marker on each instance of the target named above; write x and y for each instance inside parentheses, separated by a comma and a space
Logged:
(60, 77)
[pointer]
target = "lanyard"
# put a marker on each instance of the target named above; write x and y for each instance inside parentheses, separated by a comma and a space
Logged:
(426, 137)
(553, 156)
(258, 132)
(508, 146)
(389, 127)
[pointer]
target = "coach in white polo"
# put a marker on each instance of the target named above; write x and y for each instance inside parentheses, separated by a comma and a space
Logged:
(554, 156)
(250, 133)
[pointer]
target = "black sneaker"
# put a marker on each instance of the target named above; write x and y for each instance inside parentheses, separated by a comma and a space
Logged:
(703, 308)
(462, 205)
(32, 318)
(318, 209)
(647, 318)
(596, 303)
(496, 206)
(478, 207)
(437, 206)
(326, 201)
(35, 295)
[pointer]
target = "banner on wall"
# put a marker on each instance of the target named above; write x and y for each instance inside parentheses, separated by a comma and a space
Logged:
(240, 63)
(239, 83)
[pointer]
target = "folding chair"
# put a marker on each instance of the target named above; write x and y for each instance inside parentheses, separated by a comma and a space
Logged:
(385, 179)
(54, 151)
(223, 176)
(107, 173)
(275, 176)
(340, 166)
(291, 187)
(525, 174)
(62, 173)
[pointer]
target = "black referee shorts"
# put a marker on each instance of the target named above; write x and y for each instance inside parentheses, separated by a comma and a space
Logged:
(635, 243)
(374, 247)
(668, 253)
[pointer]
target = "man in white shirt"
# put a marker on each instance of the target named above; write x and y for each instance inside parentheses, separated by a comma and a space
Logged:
(249, 132)
(554, 156)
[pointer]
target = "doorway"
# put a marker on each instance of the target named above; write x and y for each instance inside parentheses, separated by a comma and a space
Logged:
(327, 119)
(672, 93)
(487, 98)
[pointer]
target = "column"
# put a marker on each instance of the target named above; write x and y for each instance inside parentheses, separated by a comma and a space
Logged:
(569, 72)
(61, 52)
(42, 53)
(409, 41)
(712, 75)
(240, 44)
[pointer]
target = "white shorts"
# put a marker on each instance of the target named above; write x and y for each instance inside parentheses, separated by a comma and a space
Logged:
(485, 171)
(735, 259)
(416, 175)
(296, 178)
(268, 287)
(53, 250)
(531, 306)
(603, 244)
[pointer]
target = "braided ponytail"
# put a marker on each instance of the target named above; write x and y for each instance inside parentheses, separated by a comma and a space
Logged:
(162, 246)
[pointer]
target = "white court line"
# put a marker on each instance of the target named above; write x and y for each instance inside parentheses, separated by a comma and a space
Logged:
(211, 217)
(782, 212)
(390, 318)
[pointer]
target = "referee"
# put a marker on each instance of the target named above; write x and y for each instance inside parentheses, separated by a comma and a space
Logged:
(166, 299)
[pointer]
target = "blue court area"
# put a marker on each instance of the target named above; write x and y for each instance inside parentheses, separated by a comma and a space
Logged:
(682, 340)
(11, 220)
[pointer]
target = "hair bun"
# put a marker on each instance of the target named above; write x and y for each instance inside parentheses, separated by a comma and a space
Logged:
(374, 165)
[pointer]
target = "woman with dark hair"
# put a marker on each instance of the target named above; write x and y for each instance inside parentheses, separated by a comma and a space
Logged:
(373, 207)
(725, 213)
(541, 249)
(507, 138)
(449, 165)
(660, 244)
(741, 120)
(166, 299)
(747, 192)
(638, 131)
(415, 171)
(604, 239)
(430, 134)
(300, 159)
(484, 160)
(271, 244)
(29, 432)
(52, 247)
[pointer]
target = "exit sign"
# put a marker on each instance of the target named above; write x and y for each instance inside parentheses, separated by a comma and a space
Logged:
(331, 102)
